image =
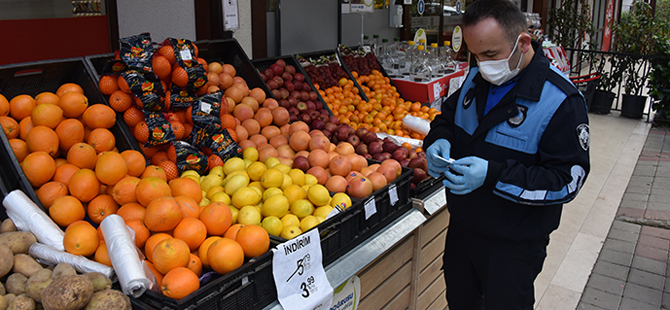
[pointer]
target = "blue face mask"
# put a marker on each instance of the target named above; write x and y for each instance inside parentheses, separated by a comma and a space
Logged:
(497, 72)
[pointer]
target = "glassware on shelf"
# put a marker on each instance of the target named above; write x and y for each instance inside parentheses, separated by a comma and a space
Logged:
(421, 70)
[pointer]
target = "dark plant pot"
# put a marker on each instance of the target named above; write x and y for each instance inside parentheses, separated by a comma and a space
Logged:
(632, 106)
(602, 102)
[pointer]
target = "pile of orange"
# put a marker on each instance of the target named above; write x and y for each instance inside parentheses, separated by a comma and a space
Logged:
(342, 100)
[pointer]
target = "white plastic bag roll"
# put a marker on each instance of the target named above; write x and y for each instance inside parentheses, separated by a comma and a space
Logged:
(124, 257)
(27, 216)
(416, 124)
(50, 256)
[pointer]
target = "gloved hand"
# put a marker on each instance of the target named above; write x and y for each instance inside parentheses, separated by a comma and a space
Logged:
(473, 173)
(441, 148)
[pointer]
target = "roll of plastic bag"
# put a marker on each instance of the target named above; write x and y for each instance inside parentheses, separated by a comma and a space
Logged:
(50, 256)
(124, 257)
(400, 140)
(27, 216)
(416, 124)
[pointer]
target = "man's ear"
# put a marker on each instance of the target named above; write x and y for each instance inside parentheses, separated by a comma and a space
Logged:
(524, 43)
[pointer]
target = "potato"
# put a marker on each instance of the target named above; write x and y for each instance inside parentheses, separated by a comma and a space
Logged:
(9, 298)
(22, 302)
(99, 280)
(25, 265)
(7, 226)
(63, 269)
(37, 283)
(109, 299)
(6, 260)
(67, 292)
(2, 289)
(18, 241)
(16, 284)
(3, 303)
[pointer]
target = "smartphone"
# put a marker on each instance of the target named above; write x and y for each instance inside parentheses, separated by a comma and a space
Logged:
(444, 160)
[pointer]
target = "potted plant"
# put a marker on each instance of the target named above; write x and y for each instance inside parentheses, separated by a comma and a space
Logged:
(610, 75)
(659, 81)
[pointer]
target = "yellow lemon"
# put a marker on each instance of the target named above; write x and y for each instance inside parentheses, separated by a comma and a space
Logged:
(310, 179)
(235, 212)
(275, 205)
(273, 191)
(218, 170)
(321, 219)
(204, 193)
(210, 181)
(221, 197)
(287, 181)
(318, 195)
(282, 167)
(233, 164)
(213, 190)
(294, 192)
(203, 202)
(192, 177)
(245, 196)
(322, 211)
(342, 200)
(249, 215)
(256, 170)
(235, 183)
(290, 232)
(305, 188)
(302, 208)
(190, 172)
(247, 163)
(250, 153)
(290, 220)
(258, 185)
(309, 222)
(272, 225)
(272, 161)
(238, 172)
(297, 176)
(258, 189)
(272, 178)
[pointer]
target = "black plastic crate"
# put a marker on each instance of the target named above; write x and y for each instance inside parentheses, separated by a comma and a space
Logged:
(381, 69)
(33, 78)
(427, 187)
(262, 64)
(315, 55)
(249, 287)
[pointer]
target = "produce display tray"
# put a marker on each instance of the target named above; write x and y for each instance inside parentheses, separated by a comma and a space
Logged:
(334, 52)
(249, 287)
(426, 187)
(381, 69)
(33, 78)
(262, 64)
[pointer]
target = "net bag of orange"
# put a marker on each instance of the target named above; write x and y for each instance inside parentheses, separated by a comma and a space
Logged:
(137, 52)
(160, 130)
(188, 73)
(219, 141)
(189, 158)
(149, 92)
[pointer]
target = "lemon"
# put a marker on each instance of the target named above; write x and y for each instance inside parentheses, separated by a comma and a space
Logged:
(272, 178)
(256, 170)
(275, 205)
(305, 188)
(191, 173)
(342, 200)
(290, 220)
(245, 196)
(233, 164)
(210, 181)
(258, 185)
(250, 153)
(247, 163)
(235, 212)
(218, 170)
(220, 197)
(321, 219)
(287, 181)
(204, 193)
(294, 192)
(273, 191)
(272, 161)
(290, 232)
(297, 176)
(302, 208)
(322, 211)
(318, 195)
(258, 189)
(213, 190)
(309, 222)
(249, 215)
(194, 178)
(272, 225)
(282, 167)
(310, 179)
(238, 172)
(235, 183)
(203, 202)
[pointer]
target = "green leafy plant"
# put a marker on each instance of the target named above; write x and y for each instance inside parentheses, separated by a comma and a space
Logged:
(570, 25)
(659, 79)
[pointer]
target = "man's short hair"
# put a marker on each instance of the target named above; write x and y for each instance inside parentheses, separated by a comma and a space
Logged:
(506, 13)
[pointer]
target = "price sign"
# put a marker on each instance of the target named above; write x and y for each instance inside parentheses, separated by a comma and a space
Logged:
(298, 272)
(393, 194)
(457, 39)
(370, 208)
(185, 54)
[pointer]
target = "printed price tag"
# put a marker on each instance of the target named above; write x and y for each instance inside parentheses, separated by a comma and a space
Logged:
(185, 54)
(393, 194)
(437, 89)
(367, 49)
(298, 274)
(370, 208)
(206, 107)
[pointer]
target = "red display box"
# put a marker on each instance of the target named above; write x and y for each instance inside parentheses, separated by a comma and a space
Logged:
(427, 92)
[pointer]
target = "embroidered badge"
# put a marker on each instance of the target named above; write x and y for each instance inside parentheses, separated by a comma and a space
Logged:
(583, 136)
(518, 119)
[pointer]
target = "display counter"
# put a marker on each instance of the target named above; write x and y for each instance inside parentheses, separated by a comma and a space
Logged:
(427, 92)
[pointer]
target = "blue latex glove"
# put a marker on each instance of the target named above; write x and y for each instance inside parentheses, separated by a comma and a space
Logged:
(437, 167)
(472, 172)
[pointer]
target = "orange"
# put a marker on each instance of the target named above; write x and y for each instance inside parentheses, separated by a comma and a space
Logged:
(19, 148)
(81, 239)
(141, 132)
(161, 66)
(217, 217)
(21, 106)
(170, 168)
(84, 185)
(101, 207)
(131, 211)
(225, 255)
(82, 155)
(253, 239)
(188, 206)
(44, 139)
(135, 162)
(195, 264)
(158, 275)
(110, 168)
(123, 85)
(10, 127)
(120, 101)
(186, 187)
(154, 171)
(67, 209)
(158, 158)
(169, 254)
(168, 52)
(98, 116)
(64, 173)
(141, 232)
(214, 161)
(179, 283)
(231, 233)
(179, 76)
(69, 87)
(39, 168)
(151, 188)
(46, 97)
(228, 121)
(70, 131)
(101, 139)
(47, 114)
(123, 191)
(163, 214)
(178, 129)
(25, 125)
(73, 104)
(192, 231)
(102, 255)
(151, 243)
(204, 246)
(132, 116)
(48, 192)
(4, 106)
(108, 84)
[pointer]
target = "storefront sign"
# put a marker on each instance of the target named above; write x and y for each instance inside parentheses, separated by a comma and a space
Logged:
(297, 268)
(457, 39)
(347, 295)
(607, 32)
(362, 6)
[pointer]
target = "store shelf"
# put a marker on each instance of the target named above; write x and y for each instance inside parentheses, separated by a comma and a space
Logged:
(369, 250)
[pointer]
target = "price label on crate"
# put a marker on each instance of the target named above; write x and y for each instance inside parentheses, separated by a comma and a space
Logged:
(370, 208)
(298, 272)
(185, 54)
(393, 194)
